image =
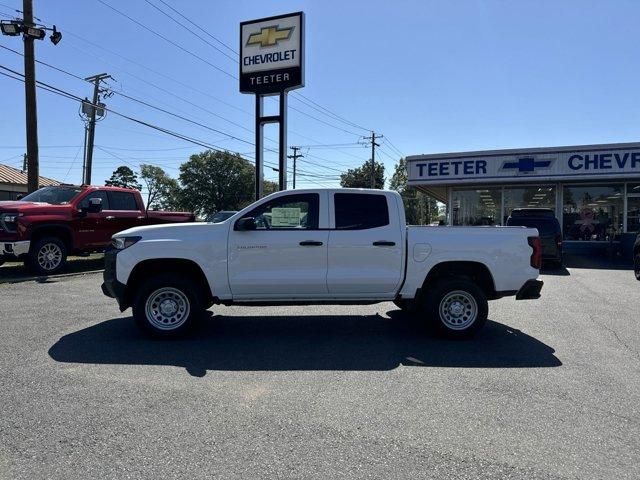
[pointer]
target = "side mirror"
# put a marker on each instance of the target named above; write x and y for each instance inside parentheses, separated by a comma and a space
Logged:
(95, 206)
(20, 196)
(247, 223)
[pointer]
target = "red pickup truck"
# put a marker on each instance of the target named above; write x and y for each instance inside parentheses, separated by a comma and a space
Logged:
(53, 222)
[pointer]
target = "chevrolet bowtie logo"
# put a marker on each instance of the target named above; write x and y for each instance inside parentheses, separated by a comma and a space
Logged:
(526, 164)
(269, 36)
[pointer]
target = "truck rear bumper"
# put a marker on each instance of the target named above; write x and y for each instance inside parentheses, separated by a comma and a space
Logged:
(530, 290)
(111, 287)
(14, 249)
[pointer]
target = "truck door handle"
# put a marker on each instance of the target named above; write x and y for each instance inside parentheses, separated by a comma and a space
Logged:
(110, 217)
(310, 243)
(384, 243)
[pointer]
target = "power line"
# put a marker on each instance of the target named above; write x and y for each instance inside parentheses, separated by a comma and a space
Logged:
(177, 45)
(200, 28)
(191, 31)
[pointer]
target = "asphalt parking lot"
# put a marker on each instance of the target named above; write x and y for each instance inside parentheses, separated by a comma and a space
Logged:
(549, 389)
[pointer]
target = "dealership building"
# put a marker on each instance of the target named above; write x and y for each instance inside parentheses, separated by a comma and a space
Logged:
(593, 189)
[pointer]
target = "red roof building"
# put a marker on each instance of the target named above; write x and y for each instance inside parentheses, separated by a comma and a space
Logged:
(14, 182)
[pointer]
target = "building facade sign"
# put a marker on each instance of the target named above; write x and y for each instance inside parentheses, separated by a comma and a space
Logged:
(272, 54)
(535, 164)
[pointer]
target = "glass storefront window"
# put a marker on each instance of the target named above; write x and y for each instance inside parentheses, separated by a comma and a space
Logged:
(633, 207)
(477, 207)
(593, 212)
(528, 197)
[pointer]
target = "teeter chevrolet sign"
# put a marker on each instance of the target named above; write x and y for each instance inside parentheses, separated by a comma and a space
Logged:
(272, 54)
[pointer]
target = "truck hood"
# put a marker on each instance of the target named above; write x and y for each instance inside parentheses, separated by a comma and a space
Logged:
(173, 230)
(30, 207)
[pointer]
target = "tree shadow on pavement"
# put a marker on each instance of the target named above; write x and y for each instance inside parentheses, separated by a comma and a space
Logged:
(282, 343)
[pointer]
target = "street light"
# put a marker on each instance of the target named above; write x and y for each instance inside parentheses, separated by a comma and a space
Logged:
(35, 32)
(12, 29)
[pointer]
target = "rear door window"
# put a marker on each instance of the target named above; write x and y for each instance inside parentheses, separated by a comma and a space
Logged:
(360, 211)
(122, 201)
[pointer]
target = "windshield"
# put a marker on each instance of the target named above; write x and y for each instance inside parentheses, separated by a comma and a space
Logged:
(53, 195)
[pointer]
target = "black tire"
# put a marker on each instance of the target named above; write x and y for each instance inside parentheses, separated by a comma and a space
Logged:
(636, 265)
(47, 256)
(183, 301)
(468, 300)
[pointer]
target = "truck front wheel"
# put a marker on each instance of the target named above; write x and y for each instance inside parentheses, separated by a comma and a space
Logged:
(456, 307)
(167, 305)
(47, 256)
(636, 265)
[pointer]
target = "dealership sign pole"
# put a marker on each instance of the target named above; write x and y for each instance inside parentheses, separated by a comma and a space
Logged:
(272, 63)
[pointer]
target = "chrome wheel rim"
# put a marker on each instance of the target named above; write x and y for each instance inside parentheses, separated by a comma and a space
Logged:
(167, 308)
(458, 310)
(49, 256)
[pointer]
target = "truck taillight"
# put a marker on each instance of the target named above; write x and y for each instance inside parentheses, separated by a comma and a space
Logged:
(536, 255)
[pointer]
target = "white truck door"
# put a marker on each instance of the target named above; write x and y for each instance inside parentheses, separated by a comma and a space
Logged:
(286, 255)
(365, 244)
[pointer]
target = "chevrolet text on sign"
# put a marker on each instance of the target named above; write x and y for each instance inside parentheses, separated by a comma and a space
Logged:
(485, 167)
(272, 54)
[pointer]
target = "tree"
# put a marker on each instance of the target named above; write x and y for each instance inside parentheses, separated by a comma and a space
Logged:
(163, 192)
(360, 177)
(420, 209)
(213, 181)
(124, 177)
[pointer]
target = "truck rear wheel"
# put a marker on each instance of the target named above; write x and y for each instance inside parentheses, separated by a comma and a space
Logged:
(47, 256)
(636, 265)
(167, 305)
(456, 307)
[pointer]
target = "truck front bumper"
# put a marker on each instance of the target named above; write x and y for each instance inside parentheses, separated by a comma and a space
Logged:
(14, 249)
(111, 287)
(530, 290)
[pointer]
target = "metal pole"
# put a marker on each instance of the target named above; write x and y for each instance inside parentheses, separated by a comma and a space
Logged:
(373, 160)
(282, 175)
(259, 163)
(84, 157)
(30, 101)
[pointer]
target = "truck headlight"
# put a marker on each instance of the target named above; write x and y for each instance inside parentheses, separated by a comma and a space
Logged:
(11, 217)
(120, 243)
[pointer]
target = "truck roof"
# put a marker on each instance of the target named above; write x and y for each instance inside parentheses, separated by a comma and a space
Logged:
(101, 187)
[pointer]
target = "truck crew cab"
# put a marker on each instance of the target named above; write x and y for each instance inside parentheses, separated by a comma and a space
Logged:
(320, 246)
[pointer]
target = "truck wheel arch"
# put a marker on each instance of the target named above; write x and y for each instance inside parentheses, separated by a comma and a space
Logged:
(62, 232)
(477, 272)
(148, 268)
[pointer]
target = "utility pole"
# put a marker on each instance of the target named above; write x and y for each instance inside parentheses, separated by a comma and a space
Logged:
(373, 139)
(30, 32)
(95, 79)
(30, 100)
(295, 157)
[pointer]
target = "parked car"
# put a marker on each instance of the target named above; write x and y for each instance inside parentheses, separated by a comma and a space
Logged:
(545, 221)
(636, 257)
(321, 246)
(221, 216)
(47, 225)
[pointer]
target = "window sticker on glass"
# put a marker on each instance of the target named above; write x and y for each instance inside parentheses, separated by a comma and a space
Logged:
(285, 217)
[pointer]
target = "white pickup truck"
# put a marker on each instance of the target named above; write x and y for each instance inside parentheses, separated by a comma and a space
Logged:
(320, 246)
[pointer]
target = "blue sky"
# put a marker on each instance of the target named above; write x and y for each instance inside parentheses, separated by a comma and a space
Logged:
(431, 76)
